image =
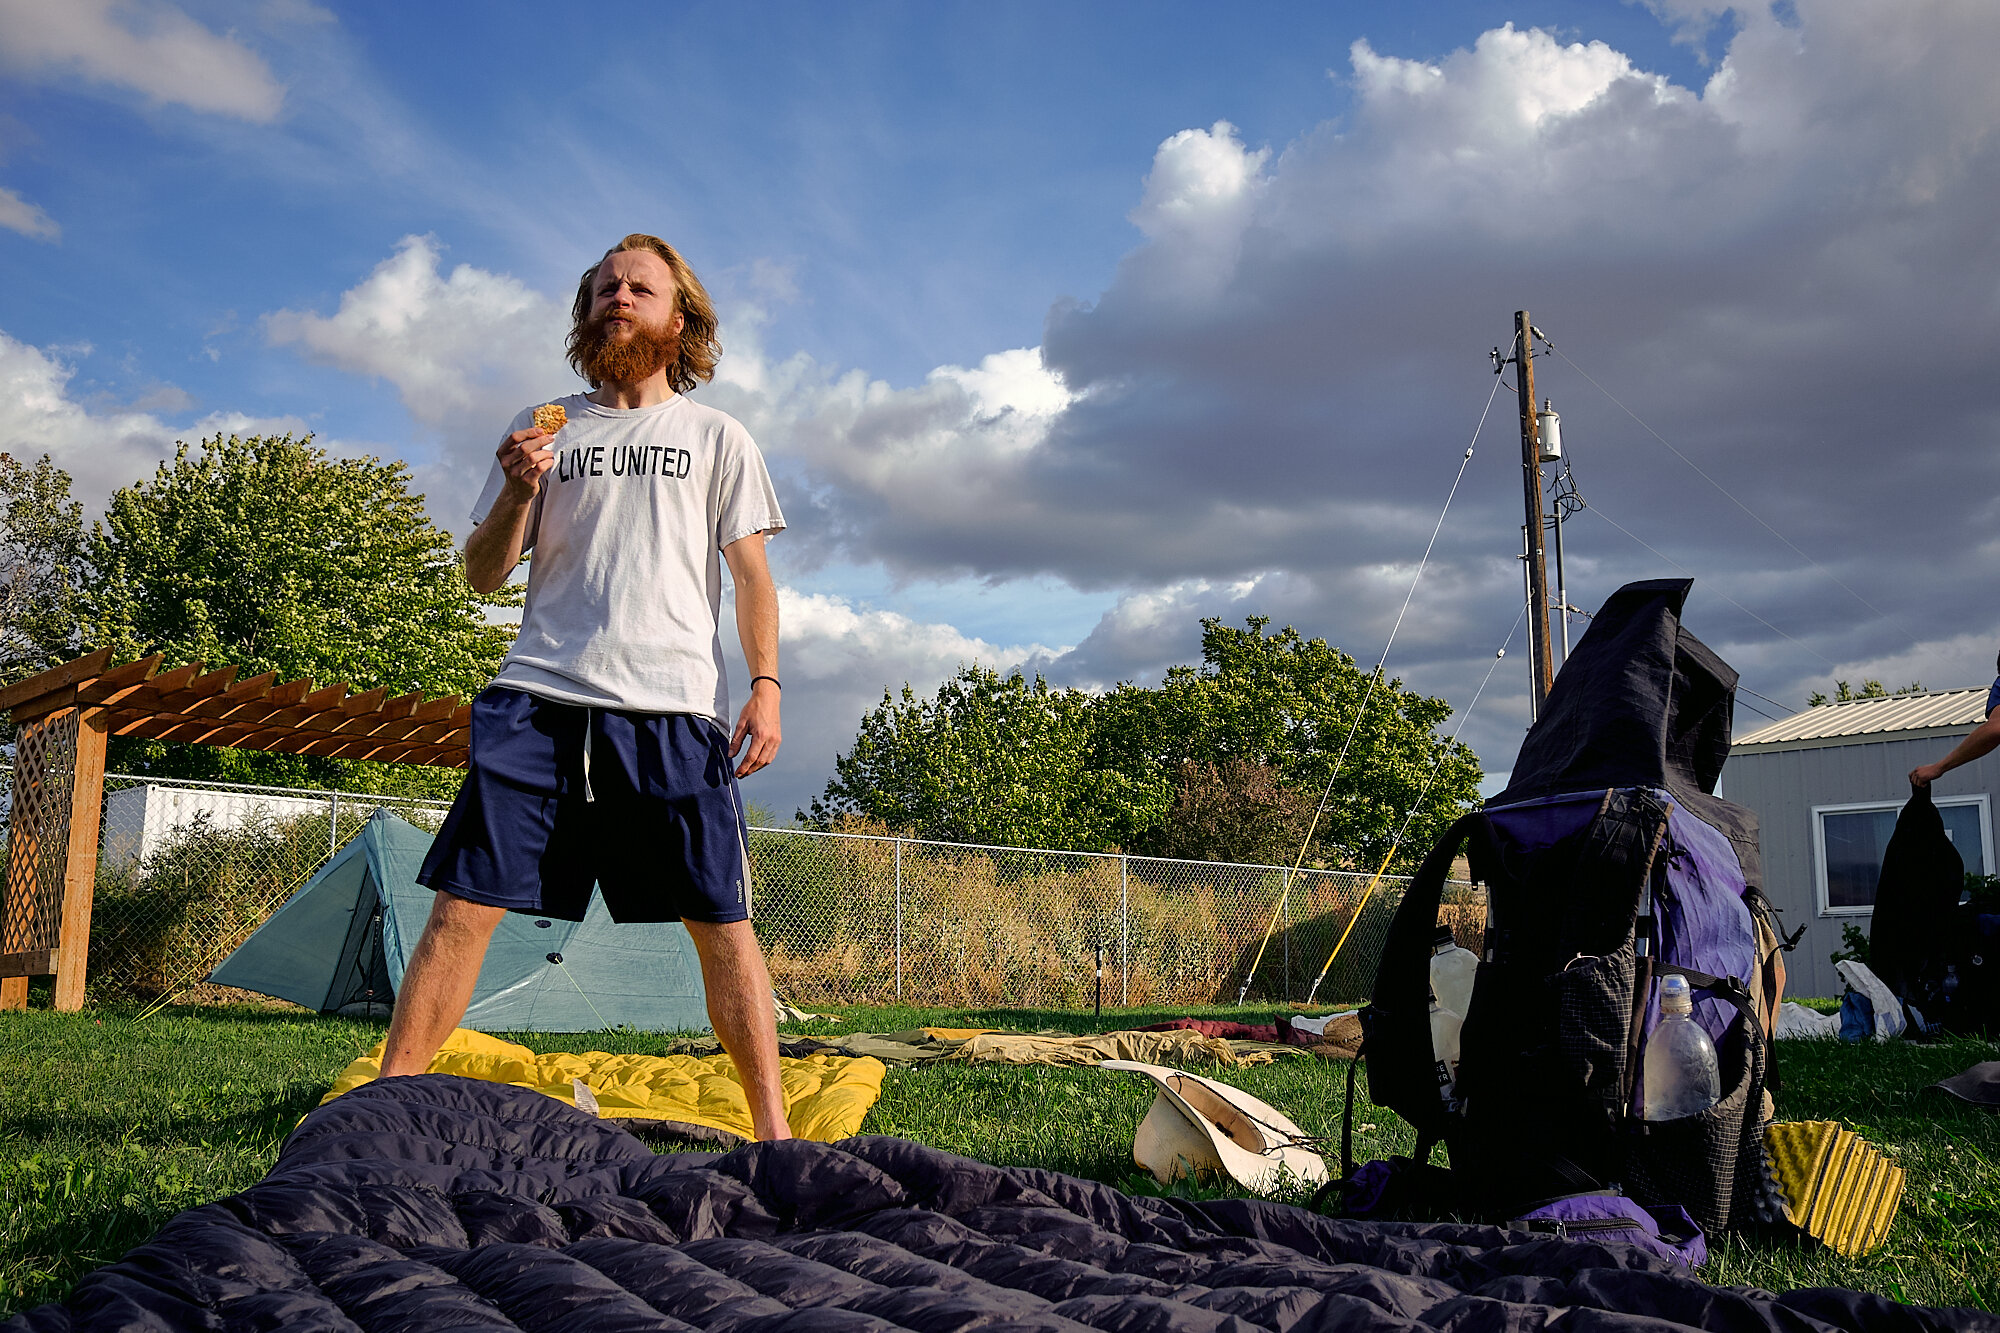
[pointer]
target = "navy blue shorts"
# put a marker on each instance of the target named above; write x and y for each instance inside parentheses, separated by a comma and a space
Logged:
(560, 797)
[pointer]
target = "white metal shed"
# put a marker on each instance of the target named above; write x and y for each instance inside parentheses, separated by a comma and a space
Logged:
(1826, 785)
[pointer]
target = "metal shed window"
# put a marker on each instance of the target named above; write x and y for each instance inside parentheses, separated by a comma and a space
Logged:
(1848, 841)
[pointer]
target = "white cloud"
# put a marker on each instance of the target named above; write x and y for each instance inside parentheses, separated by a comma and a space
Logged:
(438, 339)
(100, 451)
(147, 46)
(1510, 82)
(465, 351)
(246, 425)
(831, 640)
(1012, 383)
(837, 660)
(17, 214)
(912, 465)
(1202, 184)
(104, 448)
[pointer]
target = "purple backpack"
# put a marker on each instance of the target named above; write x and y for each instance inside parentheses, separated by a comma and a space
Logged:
(1665, 1230)
(1608, 861)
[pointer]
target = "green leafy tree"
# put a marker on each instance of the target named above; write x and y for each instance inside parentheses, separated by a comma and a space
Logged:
(1292, 705)
(44, 567)
(1870, 689)
(1225, 761)
(1232, 811)
(266, 553)
(988, 759)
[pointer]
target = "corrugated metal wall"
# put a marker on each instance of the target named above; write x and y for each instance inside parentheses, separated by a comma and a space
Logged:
(1783, 786)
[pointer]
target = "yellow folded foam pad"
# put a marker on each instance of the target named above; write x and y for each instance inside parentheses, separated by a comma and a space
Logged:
(1834, 1186)
(826, 1096)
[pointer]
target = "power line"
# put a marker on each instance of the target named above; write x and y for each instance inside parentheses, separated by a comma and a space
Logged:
(1755, 709)
(1767, 699)
(1901, 628)
(1597, 510)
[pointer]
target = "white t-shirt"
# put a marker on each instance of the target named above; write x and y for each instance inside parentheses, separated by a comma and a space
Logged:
(625, 587)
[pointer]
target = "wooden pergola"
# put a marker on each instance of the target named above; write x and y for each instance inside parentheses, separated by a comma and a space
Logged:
(64, 718)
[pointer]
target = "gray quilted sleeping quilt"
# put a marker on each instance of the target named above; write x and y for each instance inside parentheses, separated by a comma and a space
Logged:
(437, 1203)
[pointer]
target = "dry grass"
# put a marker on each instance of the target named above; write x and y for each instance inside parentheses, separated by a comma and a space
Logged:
(1025, 928)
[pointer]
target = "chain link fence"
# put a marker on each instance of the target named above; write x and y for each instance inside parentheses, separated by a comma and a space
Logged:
(849, 918)
(187, 870)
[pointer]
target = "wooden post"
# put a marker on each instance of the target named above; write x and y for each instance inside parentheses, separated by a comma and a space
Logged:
(1540, 658)
(86, 812)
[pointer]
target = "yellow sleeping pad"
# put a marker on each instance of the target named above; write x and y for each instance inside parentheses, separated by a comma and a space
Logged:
(826, 1096)
(1834, 1186)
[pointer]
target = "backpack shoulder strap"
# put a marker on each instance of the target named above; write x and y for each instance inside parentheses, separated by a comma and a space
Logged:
(1395, 1027)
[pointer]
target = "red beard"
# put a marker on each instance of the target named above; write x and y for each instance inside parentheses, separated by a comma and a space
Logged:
(610, 359)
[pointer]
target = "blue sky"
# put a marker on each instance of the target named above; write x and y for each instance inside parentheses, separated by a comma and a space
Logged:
(1063, 326)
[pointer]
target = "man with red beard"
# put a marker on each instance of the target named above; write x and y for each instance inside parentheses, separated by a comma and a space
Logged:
(599, 753)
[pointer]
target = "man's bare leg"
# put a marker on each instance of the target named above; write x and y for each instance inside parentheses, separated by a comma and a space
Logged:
(739, 1005)
(438, 983)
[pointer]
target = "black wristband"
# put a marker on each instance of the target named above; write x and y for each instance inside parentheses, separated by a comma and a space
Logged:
(773, 679)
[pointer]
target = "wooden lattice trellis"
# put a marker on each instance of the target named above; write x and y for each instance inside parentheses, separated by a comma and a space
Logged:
(63, 719)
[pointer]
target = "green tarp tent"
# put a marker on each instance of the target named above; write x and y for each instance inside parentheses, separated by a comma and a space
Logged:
(341, 944)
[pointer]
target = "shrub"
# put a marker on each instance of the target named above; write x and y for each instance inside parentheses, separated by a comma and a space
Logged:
(164, 924)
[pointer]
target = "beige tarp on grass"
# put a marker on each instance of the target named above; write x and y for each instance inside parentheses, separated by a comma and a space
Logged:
(991, 1046)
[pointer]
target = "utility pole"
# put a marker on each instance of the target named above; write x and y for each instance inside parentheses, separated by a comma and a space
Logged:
(1540, 659)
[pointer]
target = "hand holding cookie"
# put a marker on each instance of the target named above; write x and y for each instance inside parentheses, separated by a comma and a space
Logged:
(527, 454)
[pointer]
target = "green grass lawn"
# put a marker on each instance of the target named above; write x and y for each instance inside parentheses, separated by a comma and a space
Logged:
(109, 1126)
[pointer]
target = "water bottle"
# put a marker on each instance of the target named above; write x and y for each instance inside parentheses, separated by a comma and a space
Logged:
(1682, 1076)
(1452, 970)
(1444, 1047)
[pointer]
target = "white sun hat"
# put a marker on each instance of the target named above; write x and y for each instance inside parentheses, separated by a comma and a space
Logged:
(1201, 1128)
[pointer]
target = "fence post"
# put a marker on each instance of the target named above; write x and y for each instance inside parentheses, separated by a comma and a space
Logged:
(1285, 898)
(1124, 933)
(899, 921)
(332, 825)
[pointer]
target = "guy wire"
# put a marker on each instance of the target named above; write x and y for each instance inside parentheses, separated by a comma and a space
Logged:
(1415, 805)
(1305, 844)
